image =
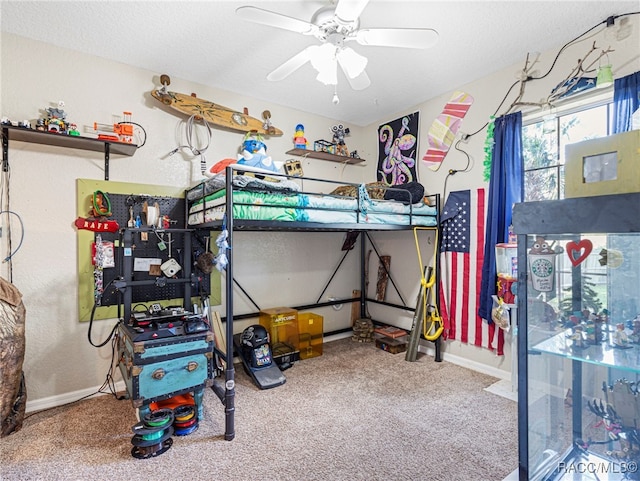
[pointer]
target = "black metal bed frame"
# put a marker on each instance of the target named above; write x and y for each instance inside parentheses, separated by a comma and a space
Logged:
(225, 390)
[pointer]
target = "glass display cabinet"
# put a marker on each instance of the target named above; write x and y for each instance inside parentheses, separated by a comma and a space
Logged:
(579, 338)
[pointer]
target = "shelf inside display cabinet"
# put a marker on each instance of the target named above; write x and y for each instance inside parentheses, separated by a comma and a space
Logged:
(602, 354)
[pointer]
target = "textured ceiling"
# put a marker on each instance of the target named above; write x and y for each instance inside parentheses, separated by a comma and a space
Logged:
(207, 43)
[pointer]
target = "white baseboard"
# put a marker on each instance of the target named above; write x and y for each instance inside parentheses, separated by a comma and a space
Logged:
(335, 337)
(464, 362)
(68, 397)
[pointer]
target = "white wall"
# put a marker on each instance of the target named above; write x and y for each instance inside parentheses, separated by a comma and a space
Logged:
(276, 268)
(488, 93)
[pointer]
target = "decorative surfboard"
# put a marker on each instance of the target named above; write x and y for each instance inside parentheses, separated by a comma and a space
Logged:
(445, 127)
(213, 113)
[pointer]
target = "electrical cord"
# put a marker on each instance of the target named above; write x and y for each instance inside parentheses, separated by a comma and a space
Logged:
(609, 21)
(496, 111)
(6, 197)
(144, 140)
(109, 383)
(196, 151)
(452, 172)
(8, 258)
(91, 318)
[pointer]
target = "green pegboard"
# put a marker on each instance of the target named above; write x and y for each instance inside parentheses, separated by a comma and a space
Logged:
(118, 192)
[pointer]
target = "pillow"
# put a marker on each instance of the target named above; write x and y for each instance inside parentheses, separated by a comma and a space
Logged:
(220, 166)
(409, 193)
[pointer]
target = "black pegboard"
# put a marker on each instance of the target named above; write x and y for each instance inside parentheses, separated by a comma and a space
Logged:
(123, 207)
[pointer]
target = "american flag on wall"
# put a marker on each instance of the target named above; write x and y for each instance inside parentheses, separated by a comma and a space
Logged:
(462, 254)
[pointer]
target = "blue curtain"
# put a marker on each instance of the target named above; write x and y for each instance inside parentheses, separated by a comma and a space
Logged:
(505, 189)
(626, 100)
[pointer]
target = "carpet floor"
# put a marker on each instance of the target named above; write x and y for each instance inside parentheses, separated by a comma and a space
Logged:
(354, 413)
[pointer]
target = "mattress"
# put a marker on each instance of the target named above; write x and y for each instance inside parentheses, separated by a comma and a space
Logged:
(303, 207)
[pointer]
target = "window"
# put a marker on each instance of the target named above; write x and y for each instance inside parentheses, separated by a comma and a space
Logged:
(544, 139)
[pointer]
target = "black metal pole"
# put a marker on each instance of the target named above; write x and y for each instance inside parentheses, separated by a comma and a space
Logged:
(230, 390)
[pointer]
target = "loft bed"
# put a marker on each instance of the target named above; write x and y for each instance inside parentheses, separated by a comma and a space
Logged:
(265, 201)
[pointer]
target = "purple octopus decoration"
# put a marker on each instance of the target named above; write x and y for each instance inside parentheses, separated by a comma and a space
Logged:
(397, 150)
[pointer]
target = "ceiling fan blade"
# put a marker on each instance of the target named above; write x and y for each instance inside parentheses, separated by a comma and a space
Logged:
(398, 37)
(352, 63)
(359, 82)
(273, 19)
(291, 65)
(350, 10)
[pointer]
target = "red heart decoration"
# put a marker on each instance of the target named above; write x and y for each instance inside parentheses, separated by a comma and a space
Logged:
(579, 251)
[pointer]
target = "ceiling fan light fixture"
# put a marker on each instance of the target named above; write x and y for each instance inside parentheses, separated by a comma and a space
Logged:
(323, 59)
(351, 61)
(328, 76)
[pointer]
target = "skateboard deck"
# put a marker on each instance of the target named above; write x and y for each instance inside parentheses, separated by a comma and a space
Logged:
(445, 127)
(214, 113)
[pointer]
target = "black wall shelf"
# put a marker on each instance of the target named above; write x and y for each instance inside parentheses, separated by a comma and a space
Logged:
(324, 156)
(22, 134)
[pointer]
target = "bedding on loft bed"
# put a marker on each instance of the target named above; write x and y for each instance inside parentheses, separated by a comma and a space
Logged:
(282, 200)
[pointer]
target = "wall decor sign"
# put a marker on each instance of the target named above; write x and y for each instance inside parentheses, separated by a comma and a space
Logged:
(397, 150)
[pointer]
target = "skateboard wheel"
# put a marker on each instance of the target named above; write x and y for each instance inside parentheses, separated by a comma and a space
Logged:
(266, 114)
(164, 79)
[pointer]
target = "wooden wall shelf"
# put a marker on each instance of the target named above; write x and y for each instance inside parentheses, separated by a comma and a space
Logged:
(324, 156)
(21, 134)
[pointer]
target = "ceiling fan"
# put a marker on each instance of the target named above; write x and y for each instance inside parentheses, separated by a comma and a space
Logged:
(335, 26)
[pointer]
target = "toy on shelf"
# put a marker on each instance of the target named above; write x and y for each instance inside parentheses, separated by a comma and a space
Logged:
(620, 337)
(55, 120)
(25, 124)
(299, 141)
(324, 146)
(634, 326)
(293, 168)
(577, 337)
(117, 132)
(73, 130)
(339, 133)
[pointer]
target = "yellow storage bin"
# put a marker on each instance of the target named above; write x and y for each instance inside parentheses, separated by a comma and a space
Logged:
(282, 324)
(310, 332)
